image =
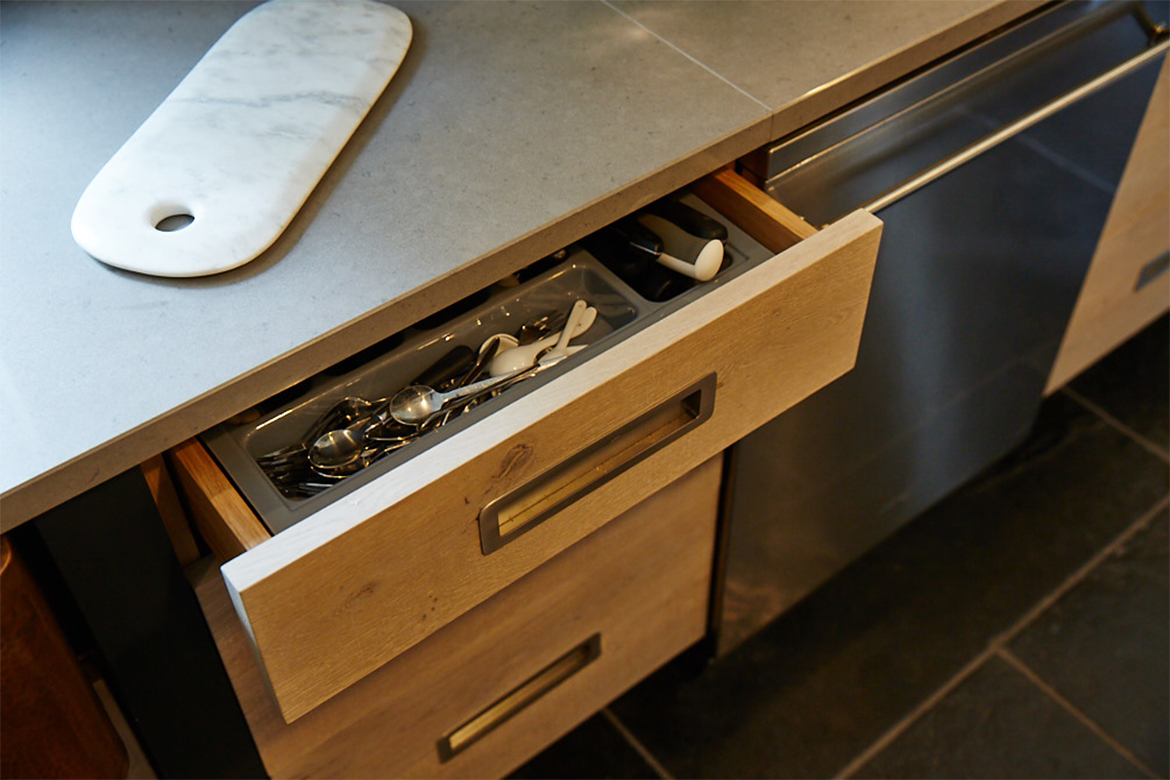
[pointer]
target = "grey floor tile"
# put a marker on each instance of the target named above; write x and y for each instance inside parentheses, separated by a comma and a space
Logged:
(595, 749)
(818, 686)
(997, 724)
(1105, 645)
(1133, 383)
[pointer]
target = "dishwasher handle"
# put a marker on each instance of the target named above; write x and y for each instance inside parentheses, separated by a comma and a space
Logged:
(1157, 48)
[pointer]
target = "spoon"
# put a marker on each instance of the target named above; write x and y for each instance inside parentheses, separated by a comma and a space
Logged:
(576, 314)
(536, 328)
(462, 405)
(524, 356)
(344, 445)
(358, 461)
(684, 253)
(413, 405)
(487, 350)
(345, 412)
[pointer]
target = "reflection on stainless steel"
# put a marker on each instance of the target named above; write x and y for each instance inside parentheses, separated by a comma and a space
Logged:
(993, 173)
(1016, 127)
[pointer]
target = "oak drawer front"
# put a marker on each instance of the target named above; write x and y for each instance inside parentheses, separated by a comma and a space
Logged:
(637, 590)
(337, 595)
(1127, 285)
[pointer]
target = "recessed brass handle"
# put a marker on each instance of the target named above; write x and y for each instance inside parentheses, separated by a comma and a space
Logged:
(500, 711)
(525, 507)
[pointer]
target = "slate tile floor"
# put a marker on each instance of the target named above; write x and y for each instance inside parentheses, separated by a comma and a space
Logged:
(1020, 628)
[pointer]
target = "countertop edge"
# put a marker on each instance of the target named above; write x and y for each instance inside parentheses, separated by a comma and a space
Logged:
(899, 63)
(58, 485)
(68, 480)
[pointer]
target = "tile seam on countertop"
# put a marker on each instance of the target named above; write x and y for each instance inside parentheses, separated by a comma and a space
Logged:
(1048, 690)
(690, 57)
(1096, 409)
(1000, 641)
(637, 745)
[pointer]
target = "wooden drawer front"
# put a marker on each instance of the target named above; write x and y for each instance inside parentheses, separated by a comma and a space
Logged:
(640, 585)
(337, 595)
(1116, 300)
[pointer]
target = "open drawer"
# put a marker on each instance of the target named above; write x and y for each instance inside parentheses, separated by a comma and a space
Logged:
(502, 682)
(332, 598)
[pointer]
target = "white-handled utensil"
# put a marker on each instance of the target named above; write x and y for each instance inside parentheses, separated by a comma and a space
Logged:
(698, 258)
(517, 358)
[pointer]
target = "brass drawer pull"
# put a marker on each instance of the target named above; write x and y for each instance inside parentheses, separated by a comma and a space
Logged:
(522, 509)
(498, 713)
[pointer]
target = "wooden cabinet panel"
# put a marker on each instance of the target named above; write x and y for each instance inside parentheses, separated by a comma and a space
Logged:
(1112, 306)
(54, 725)
(640, 585)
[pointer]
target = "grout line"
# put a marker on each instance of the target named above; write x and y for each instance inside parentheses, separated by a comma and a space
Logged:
(1118, 424)
(1052, 693)
(1075, 578)
(998, 644)
(690, 57)
(882, 742)
(637, 745)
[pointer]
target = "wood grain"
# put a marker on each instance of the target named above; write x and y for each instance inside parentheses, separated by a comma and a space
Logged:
(642, 582)
(54, 725)
(170, 508)
(224, 519)
(760, 216)
(1109, 310)
(342, 592)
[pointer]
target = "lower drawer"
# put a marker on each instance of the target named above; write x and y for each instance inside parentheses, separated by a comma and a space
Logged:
(491, 689)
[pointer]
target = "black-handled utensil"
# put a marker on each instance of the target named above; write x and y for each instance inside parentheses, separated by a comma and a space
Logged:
(702, 262)
(450, 366)
(636, 236)
(613, 248)
(689, 219)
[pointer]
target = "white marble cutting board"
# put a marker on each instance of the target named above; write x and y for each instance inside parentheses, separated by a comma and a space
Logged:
(243, 139)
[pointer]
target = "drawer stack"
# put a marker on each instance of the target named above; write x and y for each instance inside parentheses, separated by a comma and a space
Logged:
(492, 688)
(600, 491)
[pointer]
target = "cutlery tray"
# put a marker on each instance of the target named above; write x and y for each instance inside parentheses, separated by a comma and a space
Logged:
(502, 308)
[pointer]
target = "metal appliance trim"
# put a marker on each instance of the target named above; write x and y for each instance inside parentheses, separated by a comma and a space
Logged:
(1018, 126)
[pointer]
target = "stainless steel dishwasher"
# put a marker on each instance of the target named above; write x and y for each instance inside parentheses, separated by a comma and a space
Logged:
(993, 173)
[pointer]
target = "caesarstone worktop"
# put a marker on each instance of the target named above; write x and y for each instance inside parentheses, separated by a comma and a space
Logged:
(510, 131)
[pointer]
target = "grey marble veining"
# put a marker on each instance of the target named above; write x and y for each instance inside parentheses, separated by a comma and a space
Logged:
(509, 130)
(240, 143)
(503, 119)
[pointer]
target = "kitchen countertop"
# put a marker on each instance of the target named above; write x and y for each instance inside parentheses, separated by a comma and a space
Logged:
(510, 131)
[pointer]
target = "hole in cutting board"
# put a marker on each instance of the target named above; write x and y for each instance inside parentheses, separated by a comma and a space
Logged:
(174, 222)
